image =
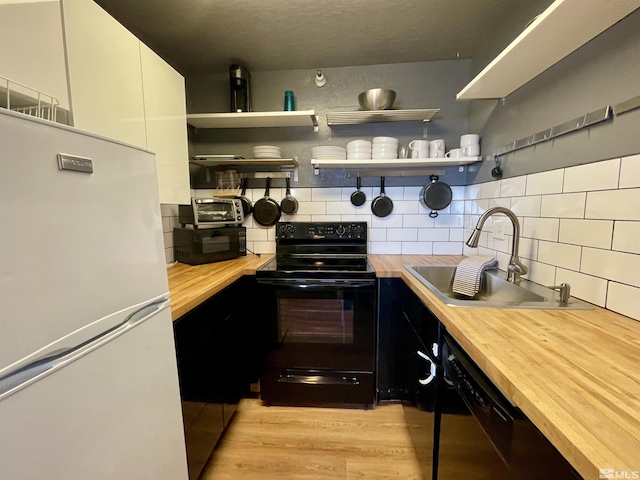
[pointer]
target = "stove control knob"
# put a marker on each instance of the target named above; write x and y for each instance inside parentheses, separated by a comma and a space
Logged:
(341, 230)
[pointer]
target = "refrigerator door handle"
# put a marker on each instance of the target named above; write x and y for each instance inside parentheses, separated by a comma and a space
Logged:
(37, 369)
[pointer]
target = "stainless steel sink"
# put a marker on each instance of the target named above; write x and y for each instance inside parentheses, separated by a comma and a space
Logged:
(495, 290)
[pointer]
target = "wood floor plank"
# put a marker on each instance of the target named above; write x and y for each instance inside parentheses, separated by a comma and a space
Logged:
(287, 443)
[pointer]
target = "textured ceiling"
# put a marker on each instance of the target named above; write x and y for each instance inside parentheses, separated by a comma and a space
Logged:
(206, 36)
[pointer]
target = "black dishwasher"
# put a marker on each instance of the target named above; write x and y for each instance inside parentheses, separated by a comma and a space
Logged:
(520, 451)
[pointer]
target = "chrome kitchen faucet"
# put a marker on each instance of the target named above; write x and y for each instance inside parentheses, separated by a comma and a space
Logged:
(515, 268)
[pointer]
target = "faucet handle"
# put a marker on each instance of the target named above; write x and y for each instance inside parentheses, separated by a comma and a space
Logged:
(565, 292)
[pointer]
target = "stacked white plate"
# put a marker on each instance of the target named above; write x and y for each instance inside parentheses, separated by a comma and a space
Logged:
(384, 147)
(266, 151)
(328, 152)
(359, 150)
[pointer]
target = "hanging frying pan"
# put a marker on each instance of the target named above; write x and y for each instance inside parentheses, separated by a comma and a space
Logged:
(247, 205)
(289, 204)
(358, 197)
(435, 196)
(381, 205)
(266, 211)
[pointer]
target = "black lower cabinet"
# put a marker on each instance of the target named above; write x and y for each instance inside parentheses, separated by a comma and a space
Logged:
(220, 353)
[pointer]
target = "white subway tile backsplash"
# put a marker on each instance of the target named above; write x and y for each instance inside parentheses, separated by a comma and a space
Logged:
(540, 272)
(326, 194)
(417, 248)
(614, 204)
(457, 193)
(541, 228)
(529, 248)
(472, 192)
(588, 233)
(418, 221)
(312, 208)
(257, 235)
(624, 299)
(377, 234)
(392, 221)
(513, 187)
(626, 237)
(617, 266)
(385, 248)
(490, 189)
(586, 287)
(411, 193)
(301, 194)
(449, 221)
(566, 205)
(433, 235)
(499, 202)
(447, 248)
(326, 218)
(630, 172)
(264, 247)
(402, 234)
(406, 207)
(560, 254)
(342, 208)
(545, 182)
(457, 235)
(592, 176)
(456, 207)
(352, 218)
(526, 206)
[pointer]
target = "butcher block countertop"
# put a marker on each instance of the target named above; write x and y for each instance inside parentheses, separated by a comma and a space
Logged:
(190, 285)
(574, 373)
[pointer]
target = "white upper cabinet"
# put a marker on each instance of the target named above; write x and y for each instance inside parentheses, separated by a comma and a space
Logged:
(32, 49)
(105, 76)
(165, 114)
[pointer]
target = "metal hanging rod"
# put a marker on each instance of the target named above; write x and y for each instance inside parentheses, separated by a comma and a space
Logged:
(578, 123)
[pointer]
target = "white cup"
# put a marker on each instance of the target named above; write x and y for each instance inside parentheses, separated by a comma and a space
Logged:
(472, 150)
(418, 144)
(436, 148)
(454, 153)
(420, 153)
(469, 139)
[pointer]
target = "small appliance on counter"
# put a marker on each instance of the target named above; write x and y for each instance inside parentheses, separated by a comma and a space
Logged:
(195, 247)
(240, 88)
(211, 212)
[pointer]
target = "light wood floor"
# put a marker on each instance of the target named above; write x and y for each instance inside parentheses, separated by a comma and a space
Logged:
(287, 443)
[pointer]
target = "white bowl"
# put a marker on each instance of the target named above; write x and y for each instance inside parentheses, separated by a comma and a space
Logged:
(377, 140)
(359, 143)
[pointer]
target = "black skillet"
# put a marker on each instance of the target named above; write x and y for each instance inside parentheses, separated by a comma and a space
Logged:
(358, 197)
(247, 206)
(289, 204)
(381, 205)
(266, 211)
(436, 196)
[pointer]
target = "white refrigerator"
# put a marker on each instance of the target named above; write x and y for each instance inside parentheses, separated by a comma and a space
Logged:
(88, 376)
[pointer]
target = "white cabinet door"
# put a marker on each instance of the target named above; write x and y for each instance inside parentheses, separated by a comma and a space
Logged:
(166, 124)
(105, 78)
(31, 48)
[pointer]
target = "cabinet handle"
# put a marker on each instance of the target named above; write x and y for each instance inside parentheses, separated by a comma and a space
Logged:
(432, 373)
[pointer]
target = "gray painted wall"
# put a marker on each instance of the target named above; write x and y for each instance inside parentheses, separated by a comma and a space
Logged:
(418, 85)
(603, 72)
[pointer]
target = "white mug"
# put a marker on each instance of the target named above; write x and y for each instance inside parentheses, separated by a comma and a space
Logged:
(418, 144)
(469, 139)
(472, 150)
(420, 153)
(455, 153)
(436, 148)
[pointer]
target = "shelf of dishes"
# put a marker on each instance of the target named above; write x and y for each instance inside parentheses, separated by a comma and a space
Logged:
(394, 162)
(379, 116)
(302, 118)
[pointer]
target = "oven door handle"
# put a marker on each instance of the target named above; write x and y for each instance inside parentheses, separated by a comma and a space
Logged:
(318, 380)
(310, 284)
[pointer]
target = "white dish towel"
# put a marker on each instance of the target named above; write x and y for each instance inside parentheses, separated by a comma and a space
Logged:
(469, 274)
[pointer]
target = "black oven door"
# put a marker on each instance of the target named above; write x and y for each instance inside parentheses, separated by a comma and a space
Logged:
(324, 341)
